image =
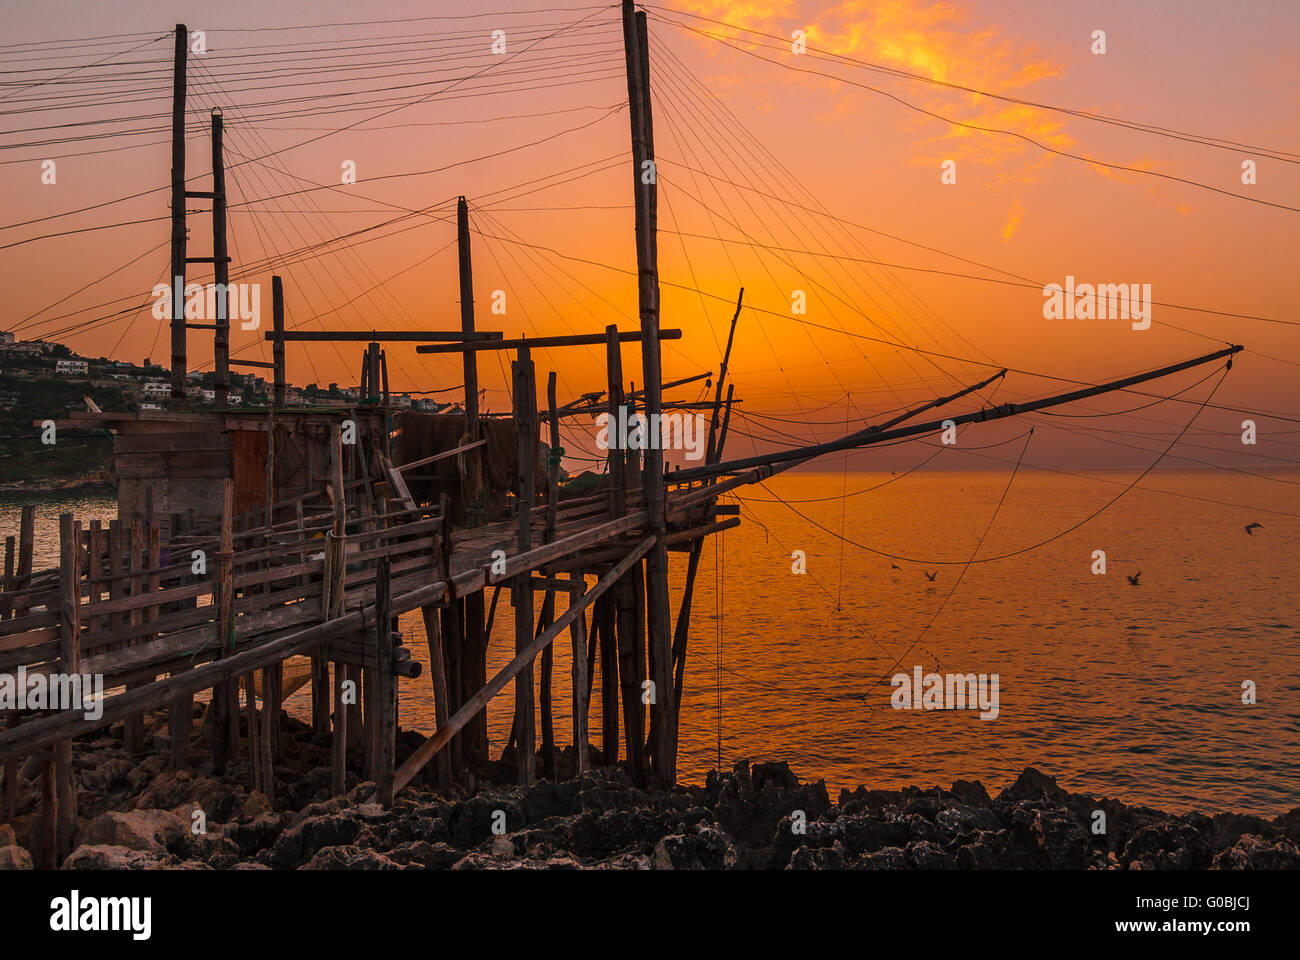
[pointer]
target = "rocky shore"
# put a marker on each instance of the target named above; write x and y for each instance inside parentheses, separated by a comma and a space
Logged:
(138, 815)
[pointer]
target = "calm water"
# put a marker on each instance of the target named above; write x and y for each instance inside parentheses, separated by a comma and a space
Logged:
(1128, 691)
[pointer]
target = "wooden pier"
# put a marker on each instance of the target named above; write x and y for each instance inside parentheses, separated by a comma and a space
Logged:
(255, 551)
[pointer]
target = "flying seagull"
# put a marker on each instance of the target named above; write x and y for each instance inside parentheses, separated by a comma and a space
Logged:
(894, 566)
(1250, 528)
(930, 576)
(1133, 578)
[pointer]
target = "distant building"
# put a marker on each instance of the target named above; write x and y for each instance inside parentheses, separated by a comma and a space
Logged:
(402, 400)
(27, 348)
(209, 395)
(426, 405)
(6, 338)
(71, 368)
(157, 388)
(150, 406)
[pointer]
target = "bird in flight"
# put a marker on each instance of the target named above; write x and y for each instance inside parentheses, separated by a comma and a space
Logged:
(930, 576)
(1250, 528)
(894, 566)
(1133, 578)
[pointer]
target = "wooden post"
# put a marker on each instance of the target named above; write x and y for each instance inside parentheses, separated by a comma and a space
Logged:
(386, 722)
(525, 403)
(268, 723)
(26, 544)
(10, 557)
(581, 689)
(339, 750)
(548, 669)
(604, 614)
(177, 278)
(70, 664)
(220, 268)
(437, 674)
(133, 727)
(637, 58)
(280, 386)
(474, 650)
(224, 698)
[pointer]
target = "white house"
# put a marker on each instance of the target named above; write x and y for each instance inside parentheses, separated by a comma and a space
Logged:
(70, 368)
(157, 388)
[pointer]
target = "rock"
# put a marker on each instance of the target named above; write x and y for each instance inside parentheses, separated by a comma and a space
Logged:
(349, 857)
(502, 847)
(7, 835)
(301, 842)
(90, 856)
(703, 848)
(134, 829)
(778, 775)
(1257, 853)
(14, 857)
(1032, 785)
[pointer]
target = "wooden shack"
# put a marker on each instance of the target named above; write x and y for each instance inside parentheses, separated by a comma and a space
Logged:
(172, 463)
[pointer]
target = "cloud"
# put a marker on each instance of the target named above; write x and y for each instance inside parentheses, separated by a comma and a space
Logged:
(1014, 216)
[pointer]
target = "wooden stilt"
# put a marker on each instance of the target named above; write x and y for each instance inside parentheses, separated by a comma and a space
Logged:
(525, 401)
(339, 752)
(386, 722)
(437, 674)
(606, 614)
(579, 682)
(253, 734)
(70, 664)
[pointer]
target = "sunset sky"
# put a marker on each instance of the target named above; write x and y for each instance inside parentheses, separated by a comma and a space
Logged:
(777, 171)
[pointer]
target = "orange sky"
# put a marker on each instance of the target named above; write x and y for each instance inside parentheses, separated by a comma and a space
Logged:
(806, 177)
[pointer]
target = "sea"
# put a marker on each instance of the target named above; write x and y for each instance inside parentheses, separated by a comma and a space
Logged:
(1146, 647)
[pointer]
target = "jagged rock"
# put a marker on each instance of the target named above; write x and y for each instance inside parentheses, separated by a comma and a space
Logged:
(887, 858)
(971, 791)
(704, 848)
(1256, 853)
(254, 835)
(930, 856)
(778, 775)
(302, 841)
(349, 857)
(134, 829)
(98, 856)
(1032, 785)
(817, 858)
(14, 857)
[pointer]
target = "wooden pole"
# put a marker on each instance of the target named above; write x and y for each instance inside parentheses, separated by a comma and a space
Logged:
(525, 402)
(578, 678)
(636, 54)
(225, 698)
(70, 664)
(280, 386)
(220, 267)
(386, 724)
(474, 652)
(177, 278)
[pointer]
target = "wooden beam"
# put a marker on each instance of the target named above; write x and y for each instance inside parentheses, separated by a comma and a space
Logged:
(565, 340)
(383, 336)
